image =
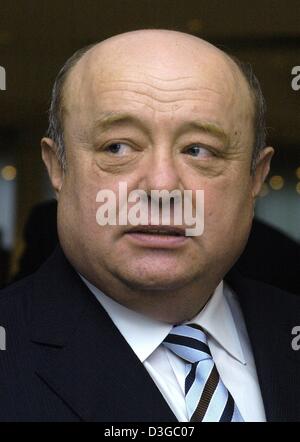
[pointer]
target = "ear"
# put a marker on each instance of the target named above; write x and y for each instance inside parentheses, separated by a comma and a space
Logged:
(52, 163)
(262, 170)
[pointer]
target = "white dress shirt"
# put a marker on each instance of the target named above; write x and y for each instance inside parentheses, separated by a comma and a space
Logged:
(228, 341)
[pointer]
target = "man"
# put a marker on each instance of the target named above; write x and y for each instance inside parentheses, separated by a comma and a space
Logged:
(136, 323)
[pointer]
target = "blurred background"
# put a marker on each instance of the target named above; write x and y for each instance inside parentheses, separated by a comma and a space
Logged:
(37, 36)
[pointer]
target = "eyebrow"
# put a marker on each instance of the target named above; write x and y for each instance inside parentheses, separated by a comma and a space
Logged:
(112, 119)
(117, 119)
(206, 127)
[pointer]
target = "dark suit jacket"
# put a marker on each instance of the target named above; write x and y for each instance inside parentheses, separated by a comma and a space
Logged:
(66, 361)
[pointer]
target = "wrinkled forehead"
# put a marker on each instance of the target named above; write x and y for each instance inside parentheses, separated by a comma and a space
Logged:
(165, 62)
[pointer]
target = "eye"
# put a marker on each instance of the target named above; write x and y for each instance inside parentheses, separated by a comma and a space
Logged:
(118, 149)
(196, 150)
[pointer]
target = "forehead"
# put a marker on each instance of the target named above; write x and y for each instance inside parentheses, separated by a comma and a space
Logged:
(158, 75)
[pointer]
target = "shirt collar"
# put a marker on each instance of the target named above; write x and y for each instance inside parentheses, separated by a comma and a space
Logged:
(217, 320)
(142, 333)
(145, 334)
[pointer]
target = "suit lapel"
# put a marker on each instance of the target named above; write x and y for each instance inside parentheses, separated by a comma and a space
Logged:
(85, 360)
(270, 315)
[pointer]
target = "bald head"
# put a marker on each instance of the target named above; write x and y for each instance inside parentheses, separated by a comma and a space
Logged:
(165, 55)
(162, 50)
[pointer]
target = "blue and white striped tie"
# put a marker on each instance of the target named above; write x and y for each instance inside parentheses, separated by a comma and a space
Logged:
(207, 398)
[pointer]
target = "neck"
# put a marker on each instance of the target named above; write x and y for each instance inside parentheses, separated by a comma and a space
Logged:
(172, 305)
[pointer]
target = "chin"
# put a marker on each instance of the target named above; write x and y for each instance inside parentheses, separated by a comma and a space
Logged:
(158, 280)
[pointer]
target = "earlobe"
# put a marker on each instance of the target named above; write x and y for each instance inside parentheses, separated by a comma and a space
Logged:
(262, 170)
(52, 164)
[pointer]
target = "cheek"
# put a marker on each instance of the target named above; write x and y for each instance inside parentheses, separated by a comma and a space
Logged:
(228, 206)
(77, 202)
(79, 205)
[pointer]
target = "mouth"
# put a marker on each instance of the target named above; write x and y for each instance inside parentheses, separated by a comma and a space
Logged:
(158, 230)
(157, 236)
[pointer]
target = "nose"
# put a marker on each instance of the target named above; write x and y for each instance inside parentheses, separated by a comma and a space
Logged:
(160, 171)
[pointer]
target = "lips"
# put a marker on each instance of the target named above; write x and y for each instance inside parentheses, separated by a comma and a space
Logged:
(157, 237)
(158, 230)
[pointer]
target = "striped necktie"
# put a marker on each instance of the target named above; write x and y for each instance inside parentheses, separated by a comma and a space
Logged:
(207, 398)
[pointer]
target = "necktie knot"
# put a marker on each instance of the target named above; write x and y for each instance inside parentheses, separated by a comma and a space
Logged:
(189, 342)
